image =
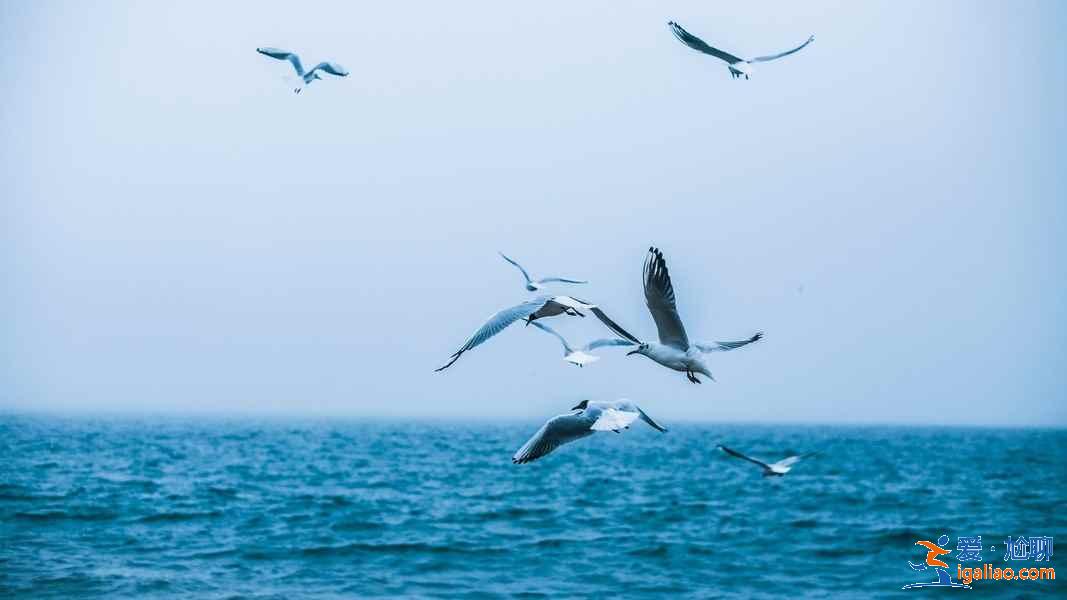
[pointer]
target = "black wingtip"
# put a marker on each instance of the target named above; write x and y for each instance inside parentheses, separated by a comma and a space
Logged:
(757, 337)
(455, 357)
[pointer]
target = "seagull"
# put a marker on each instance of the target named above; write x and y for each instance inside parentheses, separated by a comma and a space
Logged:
(738, 66)
(534, 285)
(581, 356)
(673, 349)
(309, 76)
(777, 469)
(531, 310)
(586, 419)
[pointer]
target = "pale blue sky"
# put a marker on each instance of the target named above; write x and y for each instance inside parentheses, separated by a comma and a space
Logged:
(183, 233)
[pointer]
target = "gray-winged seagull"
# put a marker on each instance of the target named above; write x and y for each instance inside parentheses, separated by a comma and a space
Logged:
(673, 350)
(738, 66)
(581, 356)
(776, 469)
(534, 285)
(306, 76)
(586, 419)
(531, 310)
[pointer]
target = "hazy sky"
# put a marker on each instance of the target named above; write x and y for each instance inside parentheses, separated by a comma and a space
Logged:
(181, 232)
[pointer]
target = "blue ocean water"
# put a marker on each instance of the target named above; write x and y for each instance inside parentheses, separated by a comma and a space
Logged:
(104, 508)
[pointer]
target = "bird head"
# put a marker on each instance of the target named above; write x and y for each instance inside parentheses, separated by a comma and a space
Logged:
(641, 349)
(581, 405)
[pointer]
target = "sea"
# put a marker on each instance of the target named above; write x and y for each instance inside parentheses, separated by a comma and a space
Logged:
(124, 507)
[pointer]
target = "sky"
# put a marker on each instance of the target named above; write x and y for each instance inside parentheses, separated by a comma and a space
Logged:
(181, 233)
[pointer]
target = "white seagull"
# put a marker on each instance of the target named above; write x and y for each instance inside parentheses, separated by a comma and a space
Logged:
(777, 469)
(738, 66)
(587, 419)
(534, 285)
(531, 310)
(309, 76)
(581, 356)
(673, 349)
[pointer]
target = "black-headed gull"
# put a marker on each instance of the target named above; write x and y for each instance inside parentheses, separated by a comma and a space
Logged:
(585, 419)
(531, 310)
(306, 76)
(776, 469)
(581, 356)
(534, 285)
(738, 66)
(673, 350)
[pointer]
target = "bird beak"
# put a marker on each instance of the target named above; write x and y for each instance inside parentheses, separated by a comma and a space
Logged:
(632, 352)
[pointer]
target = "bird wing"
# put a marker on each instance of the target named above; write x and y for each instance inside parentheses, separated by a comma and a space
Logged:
(559, 280)
(524, 273)
(572, 302)
(613, 326)
(331, 68)
(284, 55)
(557, 431)
(495, 324)
(593, 345)
(613, 419)
(659, 296)
(732, 452)
(566, 347)
(700, 45)
(789, 461)
(626, 405)
(781, 54)
(726, 346)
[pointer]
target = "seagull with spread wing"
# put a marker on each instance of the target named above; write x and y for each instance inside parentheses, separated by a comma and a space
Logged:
(306, 76)
(585, 419)
(777, 469)
(581, 356)
(534, 285)
(530, 311)
(673, 350)
(738, 66)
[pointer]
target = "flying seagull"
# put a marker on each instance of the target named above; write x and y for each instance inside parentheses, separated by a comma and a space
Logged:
(586, 419)
(309, 76)
(531, 310)
(581, 356)
(673, 349)
(777, 469)
(534, 285)
(738, 66)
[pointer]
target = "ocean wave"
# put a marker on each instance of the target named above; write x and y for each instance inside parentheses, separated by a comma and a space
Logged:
(172, 516)
(395, 548)
(63, 515)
